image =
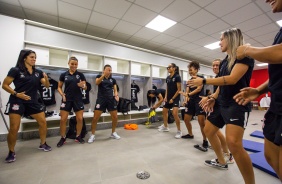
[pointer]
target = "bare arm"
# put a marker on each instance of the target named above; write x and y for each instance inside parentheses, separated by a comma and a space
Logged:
(99, 80)
(160, 100)
(45, 80)
(236, 74)
(271, 54)
(6, 86)
(116, 93)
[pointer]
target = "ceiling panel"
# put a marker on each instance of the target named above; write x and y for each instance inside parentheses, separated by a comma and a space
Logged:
(127, 27)
(88, 4)
(146, 33)
(206, 40)
(193, 36)
(66, 11)
(214, 27)
(177, 43)
(223, 7)
(97, 31)
(49, 7)
(118, 37)
(263, 30)
(103, 21)
(73, 25)
(154, 5)
(12, 2)
(42, 17)
(254, 23)
(162, 38)
(178, 30)
(199, 19)
(112, 8)
(139, 15)
(179, 10)
(203, 3)
(245, 13)
(12, 10)
(190, 46)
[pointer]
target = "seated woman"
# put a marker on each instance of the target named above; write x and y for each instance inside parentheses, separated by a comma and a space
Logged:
(152, 96)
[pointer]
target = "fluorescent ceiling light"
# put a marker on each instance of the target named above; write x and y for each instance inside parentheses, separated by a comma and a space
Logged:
(279, 22)
(262, 64)
(213, 46)
(160, 23)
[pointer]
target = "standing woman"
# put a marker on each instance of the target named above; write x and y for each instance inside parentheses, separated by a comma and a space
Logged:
(23, 99)
(107, 98)
(172, 99)
(192, 106)
(233, 75)
(71, 99)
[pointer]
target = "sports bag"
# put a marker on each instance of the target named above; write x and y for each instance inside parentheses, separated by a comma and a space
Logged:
(123, 105)
(71, 134)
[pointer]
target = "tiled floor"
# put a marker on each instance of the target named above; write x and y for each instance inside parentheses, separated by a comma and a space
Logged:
(107, 161)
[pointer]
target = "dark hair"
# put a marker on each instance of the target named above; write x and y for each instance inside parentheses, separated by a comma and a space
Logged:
(151, 100)
(107, 65)
(22, 56)
(73, 58)
(194, 64)
(176, 68)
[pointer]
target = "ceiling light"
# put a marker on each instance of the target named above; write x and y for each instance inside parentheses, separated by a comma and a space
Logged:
(160, 23)
(213, 46)
(262, 64)
(279, 22)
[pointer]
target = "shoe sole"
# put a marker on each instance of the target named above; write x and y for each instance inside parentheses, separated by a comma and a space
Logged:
(61, 145)
(163, 130)
(219, 168)
(44, 149)
(177, 137)
(114, 138)
(79, 142)
(10, 161)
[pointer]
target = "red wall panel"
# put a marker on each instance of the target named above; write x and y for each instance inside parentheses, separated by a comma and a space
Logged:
(259, 77)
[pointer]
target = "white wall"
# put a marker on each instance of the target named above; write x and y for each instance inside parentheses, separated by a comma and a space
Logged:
(11, 42)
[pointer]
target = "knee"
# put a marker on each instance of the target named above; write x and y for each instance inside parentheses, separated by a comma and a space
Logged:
(79, 119)
(234, 145)
(207, 132)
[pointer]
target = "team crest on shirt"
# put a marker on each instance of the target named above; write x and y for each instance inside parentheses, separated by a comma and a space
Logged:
(98, 106)
(36, 74)
(173, 79)
(63, 105)
(22, 75)
(16, 107)
(77, 76)
(186, 109)
(111, 80)
(66, 78)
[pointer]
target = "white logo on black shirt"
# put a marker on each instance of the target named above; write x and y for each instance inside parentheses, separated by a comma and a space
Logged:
(111, 80)
(173, 79)
(77, 76)
(36, 74)
(22, 75)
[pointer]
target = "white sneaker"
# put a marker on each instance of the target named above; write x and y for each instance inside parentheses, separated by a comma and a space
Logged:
(164, 129)
(178, 134)
(91, 138)
(161, 126)
(115, 136)
(228, 159)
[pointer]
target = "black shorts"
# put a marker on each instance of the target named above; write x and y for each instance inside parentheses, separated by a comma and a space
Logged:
(272, 128)
(106, 103)
(233, 114)
(69, 105)
(174, 104)
(26, 109)
(193, 108)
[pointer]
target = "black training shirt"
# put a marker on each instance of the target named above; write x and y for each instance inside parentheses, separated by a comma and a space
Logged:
(159, 91)
(172, 85)
(25, 82)
(197, 95)
(106, 87)
(275, 81)
(227, 92)
(85, 93)
(48, 94)
(72, 90)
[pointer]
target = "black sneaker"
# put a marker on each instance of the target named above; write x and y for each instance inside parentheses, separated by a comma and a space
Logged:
(188, 136)
(61, 142)
(205, 144)
(217, 165)
(45, 147)
(11, 157)
(79, 140)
